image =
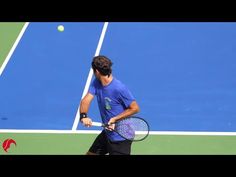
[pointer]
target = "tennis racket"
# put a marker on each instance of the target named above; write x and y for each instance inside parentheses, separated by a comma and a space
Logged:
(131, 128)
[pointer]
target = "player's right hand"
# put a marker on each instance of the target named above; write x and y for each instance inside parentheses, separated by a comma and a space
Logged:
(86, 122)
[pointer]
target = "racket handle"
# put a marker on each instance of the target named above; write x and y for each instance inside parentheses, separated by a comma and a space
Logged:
(97, 124)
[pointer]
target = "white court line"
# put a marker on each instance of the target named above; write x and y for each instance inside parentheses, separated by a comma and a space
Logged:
(13, 48)
(50, 131)
(77, 117)
(98, 131)
(192, 133)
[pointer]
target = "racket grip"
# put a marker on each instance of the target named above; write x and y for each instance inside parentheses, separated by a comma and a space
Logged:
(97, 124)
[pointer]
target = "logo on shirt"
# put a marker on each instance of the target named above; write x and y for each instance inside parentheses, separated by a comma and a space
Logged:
(107, 103)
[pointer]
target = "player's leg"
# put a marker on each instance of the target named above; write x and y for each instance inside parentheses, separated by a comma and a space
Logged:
(91, 153)
(119, 147)
(99, 146)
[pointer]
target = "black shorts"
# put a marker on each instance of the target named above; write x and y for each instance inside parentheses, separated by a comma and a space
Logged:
(102, 145)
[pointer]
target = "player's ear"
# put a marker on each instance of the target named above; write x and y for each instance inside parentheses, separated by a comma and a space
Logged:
(96, 71)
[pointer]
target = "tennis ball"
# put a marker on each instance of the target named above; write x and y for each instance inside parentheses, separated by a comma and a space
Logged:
(60, 28)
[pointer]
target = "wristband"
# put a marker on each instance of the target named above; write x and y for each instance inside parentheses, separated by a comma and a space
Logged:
(83, 115)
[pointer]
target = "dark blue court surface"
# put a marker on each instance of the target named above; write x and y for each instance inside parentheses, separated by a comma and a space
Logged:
(182, 74)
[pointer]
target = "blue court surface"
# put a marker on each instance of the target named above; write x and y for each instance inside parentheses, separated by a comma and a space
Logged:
(182, 74)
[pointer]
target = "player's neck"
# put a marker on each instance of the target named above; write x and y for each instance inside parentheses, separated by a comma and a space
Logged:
(105, 80)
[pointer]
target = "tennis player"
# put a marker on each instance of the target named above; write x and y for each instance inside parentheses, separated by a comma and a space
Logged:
(115, 102)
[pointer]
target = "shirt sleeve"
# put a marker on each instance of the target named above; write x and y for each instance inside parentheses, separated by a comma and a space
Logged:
(92, 87)
(126, 97)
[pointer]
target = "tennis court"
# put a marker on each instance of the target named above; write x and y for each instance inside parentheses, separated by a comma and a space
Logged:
(181, 73)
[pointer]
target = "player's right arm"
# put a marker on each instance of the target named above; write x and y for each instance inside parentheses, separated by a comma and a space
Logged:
(84, 107)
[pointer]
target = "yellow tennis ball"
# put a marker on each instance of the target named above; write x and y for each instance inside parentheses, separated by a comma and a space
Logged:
(60, 28)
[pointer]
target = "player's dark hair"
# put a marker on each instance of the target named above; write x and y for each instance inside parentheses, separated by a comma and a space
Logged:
(102, 64)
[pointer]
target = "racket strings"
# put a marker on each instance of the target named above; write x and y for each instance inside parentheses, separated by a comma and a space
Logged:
(132, 129)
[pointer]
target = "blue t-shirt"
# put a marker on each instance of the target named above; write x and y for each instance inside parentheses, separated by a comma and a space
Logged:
(112, 99)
